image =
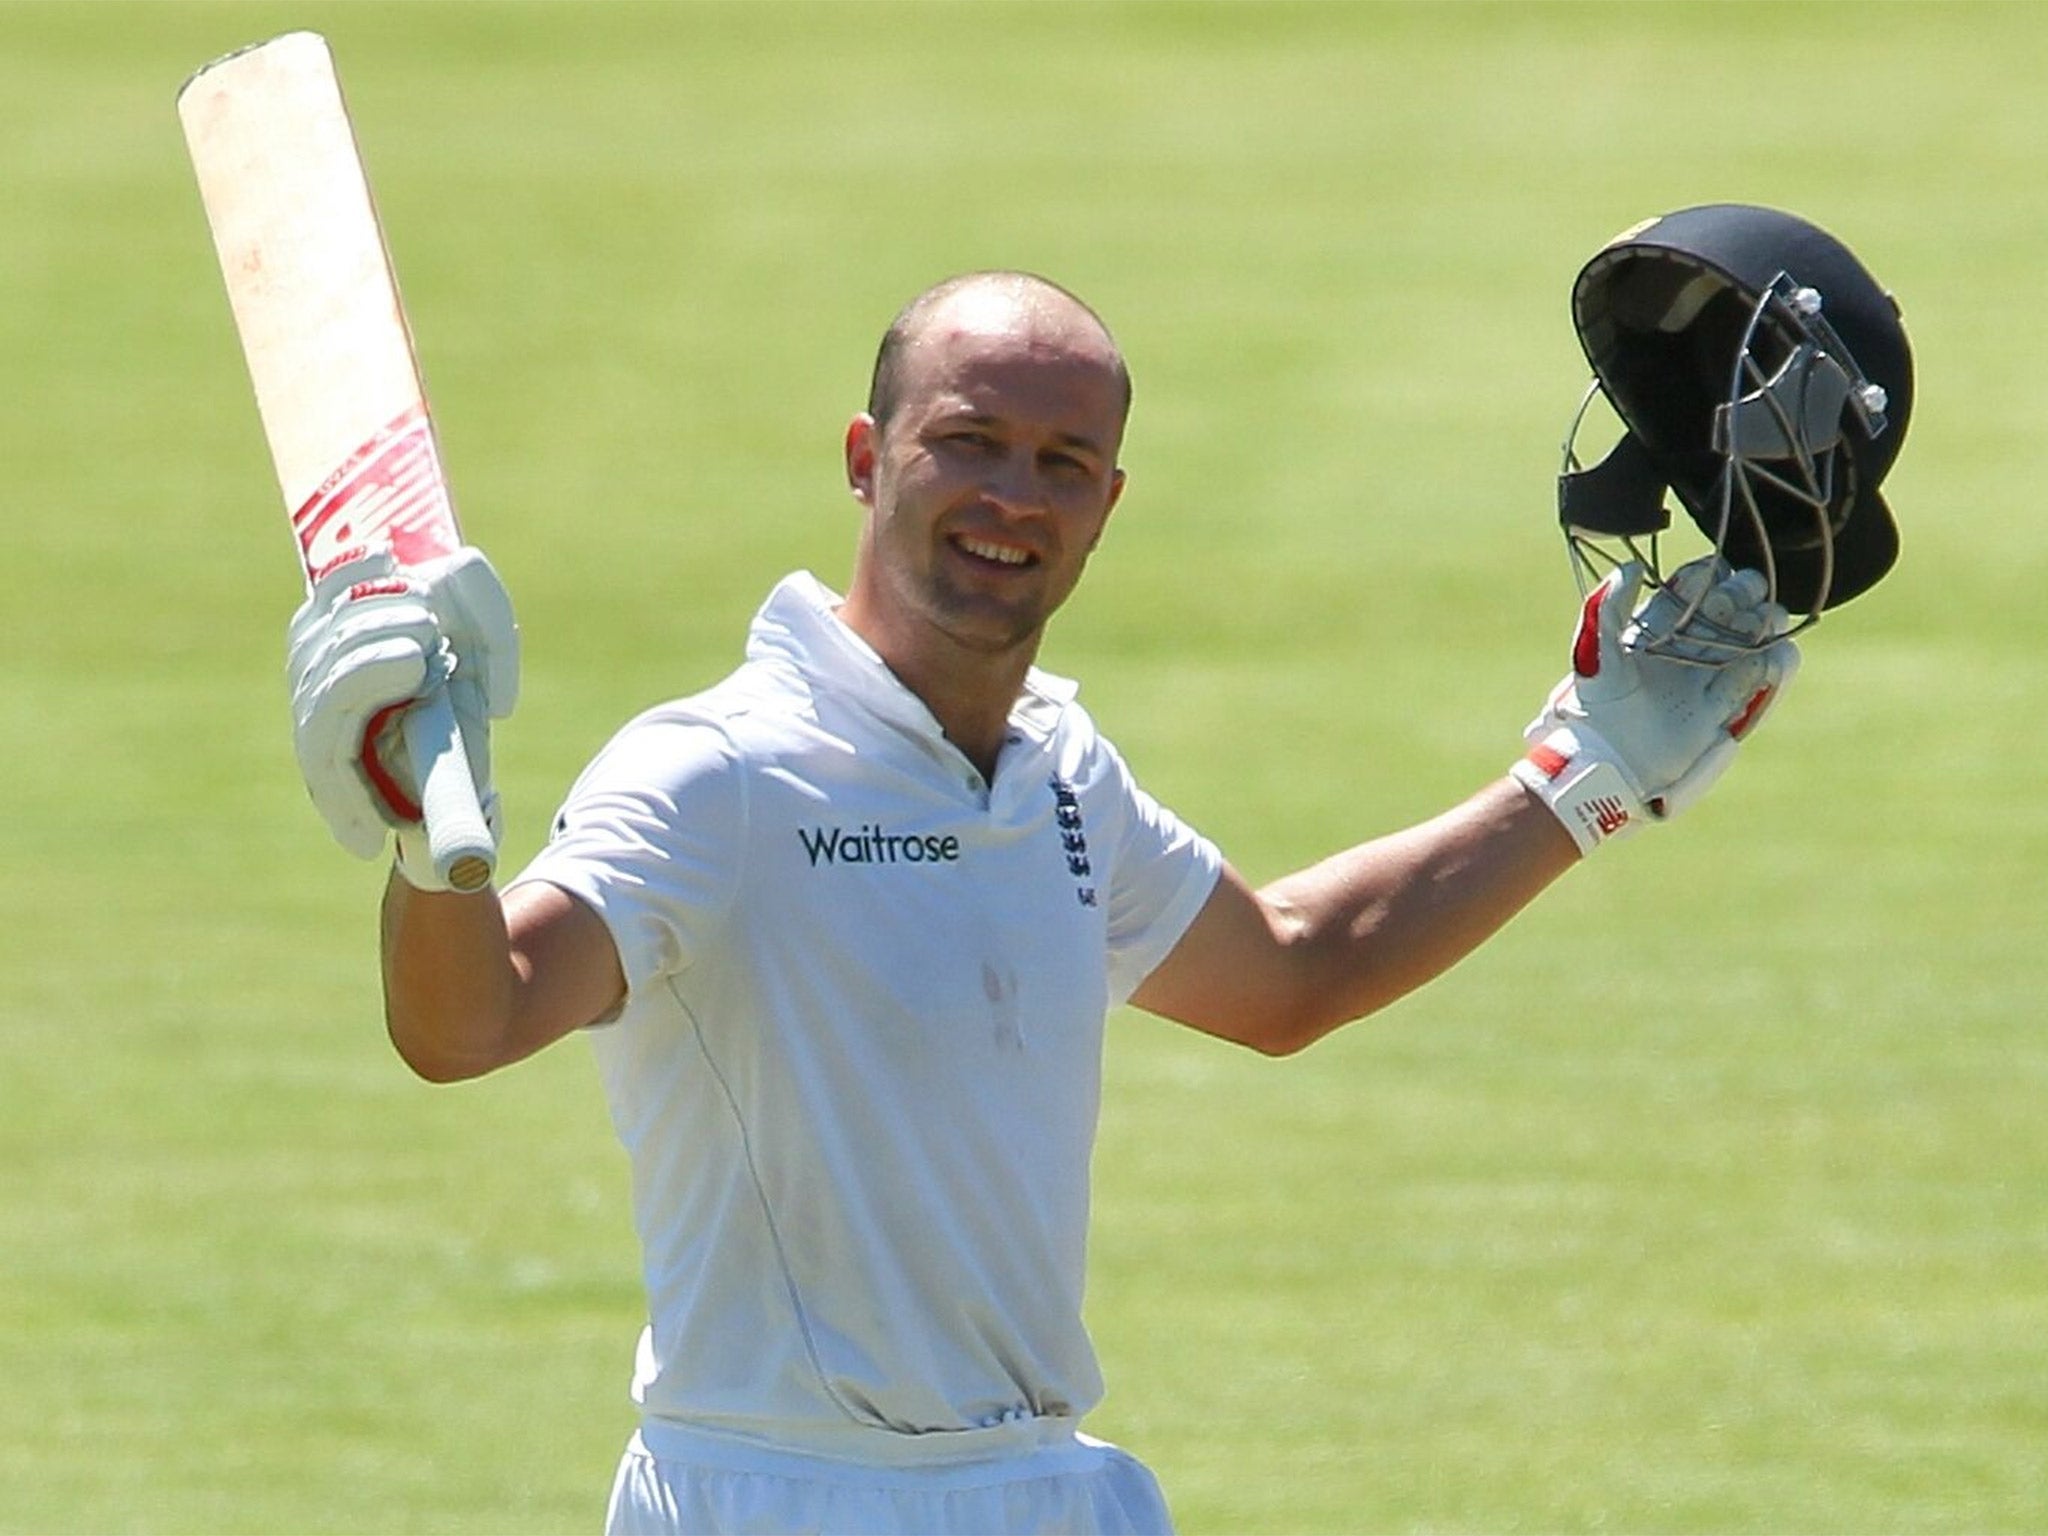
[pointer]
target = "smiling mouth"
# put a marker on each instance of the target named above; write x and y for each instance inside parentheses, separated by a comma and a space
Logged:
(1000, 554)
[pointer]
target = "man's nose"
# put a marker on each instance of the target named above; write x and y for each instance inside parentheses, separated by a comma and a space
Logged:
(1015, 484)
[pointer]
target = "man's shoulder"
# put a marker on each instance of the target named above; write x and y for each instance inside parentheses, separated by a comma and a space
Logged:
(757, 710)
(1079, 749)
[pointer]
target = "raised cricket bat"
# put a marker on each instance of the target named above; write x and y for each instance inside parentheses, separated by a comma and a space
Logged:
(331, 357)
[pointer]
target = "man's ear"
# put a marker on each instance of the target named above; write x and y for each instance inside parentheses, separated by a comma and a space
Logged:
(862, 436)
(1116, 491)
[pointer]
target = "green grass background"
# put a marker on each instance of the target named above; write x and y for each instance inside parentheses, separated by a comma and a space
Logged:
(1713, 1196)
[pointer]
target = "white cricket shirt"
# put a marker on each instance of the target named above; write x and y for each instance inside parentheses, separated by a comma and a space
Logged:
(858, 1066)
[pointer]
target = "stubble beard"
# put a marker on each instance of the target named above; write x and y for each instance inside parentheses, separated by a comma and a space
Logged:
(978, 623)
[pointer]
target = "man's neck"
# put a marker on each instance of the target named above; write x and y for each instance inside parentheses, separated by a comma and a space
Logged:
(970, 693)
(971, 699)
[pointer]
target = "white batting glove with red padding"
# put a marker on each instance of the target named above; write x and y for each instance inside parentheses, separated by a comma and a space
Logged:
(371, 638)
(1660, 693)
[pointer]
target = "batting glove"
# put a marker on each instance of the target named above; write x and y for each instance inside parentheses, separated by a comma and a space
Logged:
(1660, 693)
(371, 638)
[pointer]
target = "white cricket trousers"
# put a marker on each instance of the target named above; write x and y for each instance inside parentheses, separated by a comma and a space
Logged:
(680, 1482)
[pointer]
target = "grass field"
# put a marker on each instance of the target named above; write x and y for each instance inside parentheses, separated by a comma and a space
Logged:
(1712, 1197)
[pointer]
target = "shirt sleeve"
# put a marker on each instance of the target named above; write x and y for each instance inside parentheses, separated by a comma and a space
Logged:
(649, 839)
(1163, 872)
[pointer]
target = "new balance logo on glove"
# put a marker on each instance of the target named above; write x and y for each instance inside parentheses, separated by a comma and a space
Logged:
(1571, 771)
(1609, 814)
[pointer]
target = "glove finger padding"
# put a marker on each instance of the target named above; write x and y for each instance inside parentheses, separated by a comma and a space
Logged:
(370, 639)
(1660, 693)
(475, 613)
(333, 716)
(1707, 612)
(1599, 652)
(361, 643)
(1738, 604)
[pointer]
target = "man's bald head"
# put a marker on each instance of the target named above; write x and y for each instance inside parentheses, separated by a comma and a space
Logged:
(986, 301)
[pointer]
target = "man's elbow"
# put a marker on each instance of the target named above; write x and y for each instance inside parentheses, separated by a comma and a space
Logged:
(1276, 1044)
(435, 1061)
(1277, 1029)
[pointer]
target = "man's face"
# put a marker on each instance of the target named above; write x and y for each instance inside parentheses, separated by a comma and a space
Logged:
(990, 484)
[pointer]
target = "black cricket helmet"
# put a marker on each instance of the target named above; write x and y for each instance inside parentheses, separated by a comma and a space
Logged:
(1763, 377)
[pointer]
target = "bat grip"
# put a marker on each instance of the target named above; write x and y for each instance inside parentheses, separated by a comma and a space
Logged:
(459, 839)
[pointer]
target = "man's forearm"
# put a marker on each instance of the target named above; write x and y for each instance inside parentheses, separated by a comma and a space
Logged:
(449, 980)
(1377, 921)
(1278, 968)
(473, 983)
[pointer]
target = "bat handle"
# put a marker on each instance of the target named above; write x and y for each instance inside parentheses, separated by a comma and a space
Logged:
(458, 838)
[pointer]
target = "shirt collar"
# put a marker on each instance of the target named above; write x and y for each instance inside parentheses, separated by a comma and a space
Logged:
(799, 626)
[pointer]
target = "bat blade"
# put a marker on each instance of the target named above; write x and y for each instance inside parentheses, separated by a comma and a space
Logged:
(331, 358)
